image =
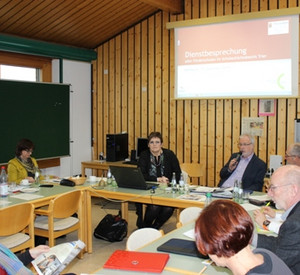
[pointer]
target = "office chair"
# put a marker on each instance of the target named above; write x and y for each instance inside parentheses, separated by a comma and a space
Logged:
(16, 220)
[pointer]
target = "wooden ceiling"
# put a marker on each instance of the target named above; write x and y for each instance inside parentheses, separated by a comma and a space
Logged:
(79, 23)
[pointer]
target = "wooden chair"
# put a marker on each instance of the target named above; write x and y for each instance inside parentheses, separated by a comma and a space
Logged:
(141, 237)
(187, 215)
(57, 220)
(16, 221)
(194, 171)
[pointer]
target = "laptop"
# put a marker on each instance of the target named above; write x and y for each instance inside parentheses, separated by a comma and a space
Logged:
(131, 177)
(137, 261)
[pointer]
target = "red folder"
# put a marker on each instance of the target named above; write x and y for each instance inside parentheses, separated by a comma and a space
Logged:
(137, 261)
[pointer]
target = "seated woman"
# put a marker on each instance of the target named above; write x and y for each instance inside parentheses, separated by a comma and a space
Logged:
(11, 264)
(157, 164)
(227, 243)
(23, 166)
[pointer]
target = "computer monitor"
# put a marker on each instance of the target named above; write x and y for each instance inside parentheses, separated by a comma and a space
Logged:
(141, 145)
(116, 147)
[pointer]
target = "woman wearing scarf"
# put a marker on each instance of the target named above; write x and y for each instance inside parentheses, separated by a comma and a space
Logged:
(23, 166)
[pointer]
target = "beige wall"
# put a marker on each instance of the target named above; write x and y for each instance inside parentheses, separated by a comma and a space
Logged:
(134, 85)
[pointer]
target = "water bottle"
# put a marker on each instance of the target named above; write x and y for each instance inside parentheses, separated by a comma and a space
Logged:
(109, 178)
(37, 175)
(114, 184)
(235, 193)
(181, 184)
(240, 193)
(208, 198)
(101, 156)
(174, 183)
(3, 183)
(186, 189)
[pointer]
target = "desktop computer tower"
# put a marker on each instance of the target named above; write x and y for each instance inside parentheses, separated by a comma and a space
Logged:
(116, 147)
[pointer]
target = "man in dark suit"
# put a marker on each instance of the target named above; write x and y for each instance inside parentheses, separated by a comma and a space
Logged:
(285, 192)
(244, 166)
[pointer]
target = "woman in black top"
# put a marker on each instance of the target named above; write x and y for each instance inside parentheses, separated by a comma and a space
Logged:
(157, 164)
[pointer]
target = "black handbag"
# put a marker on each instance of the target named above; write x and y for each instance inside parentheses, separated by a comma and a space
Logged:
(111, 228)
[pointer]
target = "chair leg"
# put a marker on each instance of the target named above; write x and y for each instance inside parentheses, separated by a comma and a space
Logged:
(178, 210)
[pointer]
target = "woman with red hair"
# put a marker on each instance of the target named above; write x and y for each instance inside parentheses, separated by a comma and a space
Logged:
(224, 232)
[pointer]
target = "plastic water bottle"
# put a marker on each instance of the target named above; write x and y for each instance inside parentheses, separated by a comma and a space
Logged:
(173, 183)
(181, 184)
(240, 192)
(3, 183)
(114, 184)
(109, 178)
(208, 199)
(37, 175)
(235, 193)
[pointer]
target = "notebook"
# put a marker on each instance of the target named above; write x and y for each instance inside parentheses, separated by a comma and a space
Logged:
(137, 261)
(182, 247)
(131, 177)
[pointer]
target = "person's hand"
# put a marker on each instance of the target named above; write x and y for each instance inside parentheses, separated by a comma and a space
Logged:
(259, 217)
(163, 179)
(31, 179)
(38, 250)
(232, 164)
(269, 211)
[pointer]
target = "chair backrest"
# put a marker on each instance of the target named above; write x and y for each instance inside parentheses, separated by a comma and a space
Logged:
(15, 219)
(141, 237)
(56, 221)
(188, 214)
(194, 170)
(66, 204)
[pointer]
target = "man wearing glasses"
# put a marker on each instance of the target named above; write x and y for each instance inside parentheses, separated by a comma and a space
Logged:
(244, 166)
(267, 217)
(285, 192)
(292, 154)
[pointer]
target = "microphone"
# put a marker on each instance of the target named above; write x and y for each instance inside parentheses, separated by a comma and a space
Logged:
(238, 157)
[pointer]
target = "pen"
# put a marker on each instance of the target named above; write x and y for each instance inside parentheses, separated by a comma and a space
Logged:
(202, 270)
(262, 209)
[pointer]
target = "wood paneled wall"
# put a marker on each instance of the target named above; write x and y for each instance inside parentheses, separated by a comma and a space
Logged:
(133, 81)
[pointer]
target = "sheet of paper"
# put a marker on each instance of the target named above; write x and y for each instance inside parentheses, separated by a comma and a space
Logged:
(4, 202)
(260, 197)
(193, 197)
(250, 207)
(190, 234)
(205, 189)
(27, 196)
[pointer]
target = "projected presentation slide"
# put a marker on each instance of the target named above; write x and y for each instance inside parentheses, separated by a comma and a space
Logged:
(253, 58)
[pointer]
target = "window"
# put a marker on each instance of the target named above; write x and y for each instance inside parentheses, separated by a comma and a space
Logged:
(19, 73)
(35, 68)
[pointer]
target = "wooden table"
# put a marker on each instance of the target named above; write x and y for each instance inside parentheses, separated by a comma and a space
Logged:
(48, 194)
(126, 195)
(177, 264)
(101, 165)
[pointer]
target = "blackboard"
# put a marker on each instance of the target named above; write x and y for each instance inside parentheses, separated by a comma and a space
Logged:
(37, 111)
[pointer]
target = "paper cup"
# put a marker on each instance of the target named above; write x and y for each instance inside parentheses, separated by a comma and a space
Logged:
(25, 182)
(92, 178)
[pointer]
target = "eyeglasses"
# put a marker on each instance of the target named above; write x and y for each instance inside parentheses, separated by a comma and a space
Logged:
(29, 151)
(156, 142)
(273, 187)
(244, 144)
